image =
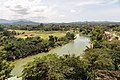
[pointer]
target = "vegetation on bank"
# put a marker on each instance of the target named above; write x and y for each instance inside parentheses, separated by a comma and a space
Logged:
(16, 48)
(53, 67)
(102, 56)
(5, 68)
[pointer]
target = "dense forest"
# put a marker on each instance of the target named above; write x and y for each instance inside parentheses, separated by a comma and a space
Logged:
(100, 61)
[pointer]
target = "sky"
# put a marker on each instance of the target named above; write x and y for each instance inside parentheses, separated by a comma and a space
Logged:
(60, 10)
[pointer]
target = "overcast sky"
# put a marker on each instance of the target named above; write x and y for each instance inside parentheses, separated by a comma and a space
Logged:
(60, 10)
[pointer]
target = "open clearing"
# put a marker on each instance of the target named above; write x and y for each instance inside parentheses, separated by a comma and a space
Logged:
(42, 34)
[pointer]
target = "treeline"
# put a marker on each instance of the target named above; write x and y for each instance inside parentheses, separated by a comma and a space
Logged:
(85, 28)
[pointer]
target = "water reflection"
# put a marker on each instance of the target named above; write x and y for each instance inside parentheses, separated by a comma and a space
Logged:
(75, 47)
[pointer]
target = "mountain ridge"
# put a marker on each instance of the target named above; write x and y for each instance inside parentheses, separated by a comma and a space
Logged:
(28, 22)
(20, 21)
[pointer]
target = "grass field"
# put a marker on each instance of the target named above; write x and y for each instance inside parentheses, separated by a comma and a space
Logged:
(44, 35)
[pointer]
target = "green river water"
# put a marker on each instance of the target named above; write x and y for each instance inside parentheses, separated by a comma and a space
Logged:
(76, 47)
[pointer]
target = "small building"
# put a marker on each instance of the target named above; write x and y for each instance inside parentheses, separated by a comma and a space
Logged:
(28, 35)
(111, 36)
(107, 35)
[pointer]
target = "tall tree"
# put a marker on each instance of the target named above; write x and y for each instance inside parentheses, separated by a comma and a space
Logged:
(5, 69)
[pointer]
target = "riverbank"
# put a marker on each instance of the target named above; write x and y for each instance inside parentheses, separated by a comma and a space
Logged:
(74, 47)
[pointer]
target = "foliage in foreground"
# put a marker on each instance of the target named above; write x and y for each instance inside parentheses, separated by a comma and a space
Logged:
(52, 67)
(5, 69)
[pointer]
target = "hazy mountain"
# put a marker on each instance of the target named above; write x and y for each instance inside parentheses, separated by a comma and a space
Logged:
(21, 22)
(96, 22)
(27, 22)
(4, 21)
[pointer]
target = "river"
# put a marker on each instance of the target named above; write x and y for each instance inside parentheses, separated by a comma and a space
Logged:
(76, 47)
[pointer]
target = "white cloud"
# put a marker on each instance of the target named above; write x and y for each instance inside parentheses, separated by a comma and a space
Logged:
(95, 2)
(56, 10)
(72, 11)
(25, 9)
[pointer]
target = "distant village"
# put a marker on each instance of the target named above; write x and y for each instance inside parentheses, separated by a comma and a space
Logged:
(111, 36)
